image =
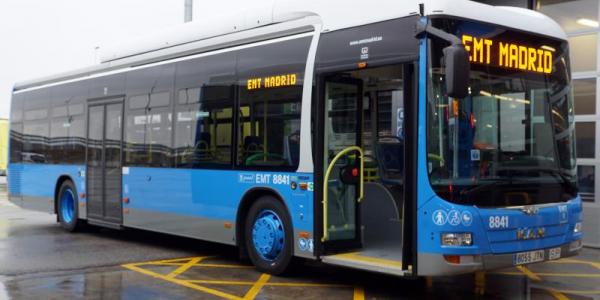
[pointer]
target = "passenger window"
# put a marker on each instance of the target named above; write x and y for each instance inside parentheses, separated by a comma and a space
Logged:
(204, 111)
(36, 141)
(16, 128)
(149, 131)
(203, 130)
(67, 124)
(35, 127)
(270, 101)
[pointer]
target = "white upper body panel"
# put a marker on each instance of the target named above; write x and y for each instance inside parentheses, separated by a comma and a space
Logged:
(334, 15)
(331, 15)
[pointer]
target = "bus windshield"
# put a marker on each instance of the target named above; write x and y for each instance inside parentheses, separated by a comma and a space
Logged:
(511, 141)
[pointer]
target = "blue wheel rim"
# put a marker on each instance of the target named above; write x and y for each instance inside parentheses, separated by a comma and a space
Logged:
(67, 205)
(268, 235)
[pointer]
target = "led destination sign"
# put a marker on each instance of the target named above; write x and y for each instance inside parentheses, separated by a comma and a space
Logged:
(509, 55)
(272, 81)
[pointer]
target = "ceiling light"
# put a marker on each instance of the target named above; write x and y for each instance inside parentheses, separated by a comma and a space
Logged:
(588, 22)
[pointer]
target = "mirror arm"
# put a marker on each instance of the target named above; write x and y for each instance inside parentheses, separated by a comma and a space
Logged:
(423, 29)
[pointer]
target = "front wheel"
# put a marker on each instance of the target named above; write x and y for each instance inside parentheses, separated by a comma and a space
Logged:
(268, 234)
(67, 207)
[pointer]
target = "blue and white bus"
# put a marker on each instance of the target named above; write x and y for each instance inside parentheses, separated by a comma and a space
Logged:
(413, 138)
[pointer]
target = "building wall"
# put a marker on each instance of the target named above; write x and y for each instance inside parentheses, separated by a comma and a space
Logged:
(3, 145)
(580, 20)
(518, 3)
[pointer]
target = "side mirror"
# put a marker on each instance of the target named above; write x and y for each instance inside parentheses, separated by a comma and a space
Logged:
(456, 61)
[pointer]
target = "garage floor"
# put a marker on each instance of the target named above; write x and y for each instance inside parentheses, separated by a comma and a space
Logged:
(38, 260)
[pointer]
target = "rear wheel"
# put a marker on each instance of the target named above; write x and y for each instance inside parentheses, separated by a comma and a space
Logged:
(268, 234)
(67, 206)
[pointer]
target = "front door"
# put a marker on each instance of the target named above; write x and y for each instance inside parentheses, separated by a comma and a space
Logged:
(104, 140)
(342, 163)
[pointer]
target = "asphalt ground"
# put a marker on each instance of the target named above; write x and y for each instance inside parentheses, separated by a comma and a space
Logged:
(38, 260)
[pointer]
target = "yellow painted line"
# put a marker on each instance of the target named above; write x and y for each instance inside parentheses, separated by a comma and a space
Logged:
(255, 289)
(283, 284)
(359, 293)
(222, 282)
(175, 260)
(480, 283)
(578, 275)
(594, 292)
(429, 282)
(355, 256)
(576, 261)
(162, 264)
(509, 273)
(223, 266)
(184, 267)
(529, 274)
(300, 284)
(217, 293)
(558, 295)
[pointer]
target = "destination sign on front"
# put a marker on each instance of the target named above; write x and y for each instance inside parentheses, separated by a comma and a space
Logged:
(509, 55)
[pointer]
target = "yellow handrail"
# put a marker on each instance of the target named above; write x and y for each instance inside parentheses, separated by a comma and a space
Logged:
(326, 183)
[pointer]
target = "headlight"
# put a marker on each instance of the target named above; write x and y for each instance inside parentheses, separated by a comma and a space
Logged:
(577, 228)
(457, 239)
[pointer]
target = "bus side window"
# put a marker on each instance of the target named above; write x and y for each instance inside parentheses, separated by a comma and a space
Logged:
(36, 131)
(204, 112)
(270, 103)
(149, 117)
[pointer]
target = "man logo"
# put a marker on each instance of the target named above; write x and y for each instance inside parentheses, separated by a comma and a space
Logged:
(530, 233)
(530, 210)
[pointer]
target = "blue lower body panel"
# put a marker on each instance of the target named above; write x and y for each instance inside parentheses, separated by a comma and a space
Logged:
(32, 186)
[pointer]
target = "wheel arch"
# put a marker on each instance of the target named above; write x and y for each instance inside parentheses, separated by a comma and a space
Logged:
(248, 199)
(59, 183)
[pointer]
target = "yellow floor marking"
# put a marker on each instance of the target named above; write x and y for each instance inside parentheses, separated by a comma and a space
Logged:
(480, 283)
(300, 284)
(556, 294)
(184, 267)
(222, 282)
(223, 266)
(578, 275)
(176, 260)
(217, 293)
(529, 274)
(429, 282)
(163, 264)
(595, 292)
(359, 293)
(576, 261)
(255, 289)
(283, 284)
(355, 256)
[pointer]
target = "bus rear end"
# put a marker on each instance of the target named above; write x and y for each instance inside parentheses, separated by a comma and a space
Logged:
(497, 174)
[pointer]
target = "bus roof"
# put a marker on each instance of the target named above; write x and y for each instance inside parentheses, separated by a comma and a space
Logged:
(211, 33)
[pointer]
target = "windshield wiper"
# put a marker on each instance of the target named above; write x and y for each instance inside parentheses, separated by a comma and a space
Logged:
(493, 184)
(563, 179)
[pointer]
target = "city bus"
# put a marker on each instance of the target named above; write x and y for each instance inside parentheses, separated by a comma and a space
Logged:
(412, 138)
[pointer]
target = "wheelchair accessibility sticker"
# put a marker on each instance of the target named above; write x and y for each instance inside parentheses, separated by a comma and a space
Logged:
(453, 217)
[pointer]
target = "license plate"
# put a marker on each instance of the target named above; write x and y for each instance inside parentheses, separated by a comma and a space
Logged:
(528, 257)
(554, 253)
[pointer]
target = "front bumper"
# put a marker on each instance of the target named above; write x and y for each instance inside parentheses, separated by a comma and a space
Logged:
(433, 264)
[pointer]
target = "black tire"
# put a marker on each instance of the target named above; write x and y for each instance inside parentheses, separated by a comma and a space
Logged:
(68, 221)
(281, 263)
